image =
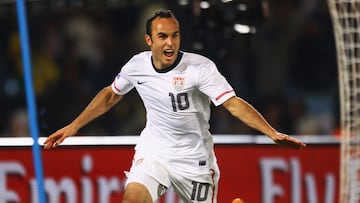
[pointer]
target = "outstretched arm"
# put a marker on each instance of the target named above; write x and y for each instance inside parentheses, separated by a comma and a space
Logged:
(250, 116)
(100, 104)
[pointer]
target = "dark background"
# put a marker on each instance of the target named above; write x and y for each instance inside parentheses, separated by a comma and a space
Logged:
(285, 66)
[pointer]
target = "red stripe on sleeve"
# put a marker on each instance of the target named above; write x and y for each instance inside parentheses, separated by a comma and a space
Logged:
(116, 87)
(221, 95)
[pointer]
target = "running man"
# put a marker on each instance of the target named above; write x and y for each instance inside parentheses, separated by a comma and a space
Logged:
(176, 87)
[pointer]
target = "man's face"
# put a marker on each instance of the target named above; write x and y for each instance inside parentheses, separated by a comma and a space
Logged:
(164, 41)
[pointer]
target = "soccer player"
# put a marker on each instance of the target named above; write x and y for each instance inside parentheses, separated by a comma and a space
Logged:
(176, 87)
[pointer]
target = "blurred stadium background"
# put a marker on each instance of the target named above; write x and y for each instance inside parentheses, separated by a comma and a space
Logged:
(278, 55)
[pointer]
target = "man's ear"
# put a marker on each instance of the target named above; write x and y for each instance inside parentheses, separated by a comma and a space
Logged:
(148, 40)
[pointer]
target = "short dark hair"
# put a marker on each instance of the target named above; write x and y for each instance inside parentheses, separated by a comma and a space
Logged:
(161, 13)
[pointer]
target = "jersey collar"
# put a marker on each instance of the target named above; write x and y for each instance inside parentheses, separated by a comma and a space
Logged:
(177, 61)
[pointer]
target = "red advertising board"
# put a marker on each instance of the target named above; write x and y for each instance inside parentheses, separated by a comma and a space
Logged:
(95, 174)
(272, 174)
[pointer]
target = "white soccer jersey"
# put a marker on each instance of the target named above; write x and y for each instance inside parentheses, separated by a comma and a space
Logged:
(177, 103)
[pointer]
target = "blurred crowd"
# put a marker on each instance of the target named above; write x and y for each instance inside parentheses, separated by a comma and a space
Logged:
(285, 66)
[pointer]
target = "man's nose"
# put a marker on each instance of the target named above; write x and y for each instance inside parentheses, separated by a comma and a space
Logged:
(169, 41)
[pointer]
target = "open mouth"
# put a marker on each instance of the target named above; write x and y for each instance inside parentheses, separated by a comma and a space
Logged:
(169, 52)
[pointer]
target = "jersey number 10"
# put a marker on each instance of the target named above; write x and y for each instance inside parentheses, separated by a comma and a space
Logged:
(179, 101)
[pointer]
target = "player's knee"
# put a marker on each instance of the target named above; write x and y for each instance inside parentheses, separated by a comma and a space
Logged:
(136, 193)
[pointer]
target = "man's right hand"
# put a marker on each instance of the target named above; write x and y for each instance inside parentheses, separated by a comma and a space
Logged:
(58, 137)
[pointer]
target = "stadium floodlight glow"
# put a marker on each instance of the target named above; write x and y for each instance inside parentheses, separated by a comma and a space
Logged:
(242, 29)
(183, 2)
(204, 4)
(242, 7)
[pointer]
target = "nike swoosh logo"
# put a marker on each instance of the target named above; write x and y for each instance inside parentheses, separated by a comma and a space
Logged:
(140, 83)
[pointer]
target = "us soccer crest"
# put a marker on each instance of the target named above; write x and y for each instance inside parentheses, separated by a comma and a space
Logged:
(178, 83)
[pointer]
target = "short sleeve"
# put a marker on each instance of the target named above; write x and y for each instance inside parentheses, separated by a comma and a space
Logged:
(124, 81)
(213, 84)
(121, 85)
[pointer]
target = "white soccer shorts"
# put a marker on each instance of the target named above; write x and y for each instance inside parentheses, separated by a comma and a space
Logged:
(157, 176)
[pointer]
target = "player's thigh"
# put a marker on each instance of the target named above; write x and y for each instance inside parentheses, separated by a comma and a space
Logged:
(148, 172)
(141, 187)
